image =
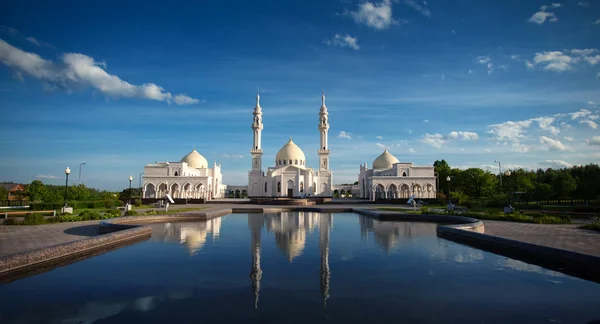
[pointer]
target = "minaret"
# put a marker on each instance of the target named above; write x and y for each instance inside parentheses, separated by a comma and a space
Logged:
(255, 222)
(255, 177)
(325, 221)
(324, 174)
(324, 130)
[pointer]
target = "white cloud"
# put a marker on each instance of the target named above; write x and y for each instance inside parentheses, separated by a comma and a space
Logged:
(541, 16)
(554, 61)
(553, 144)
(232, 156)
(529, 65)
(520, 148)
(569, 139)
(589, 122)
(411, 150)
(483, 59)
(597, 22)
(510, 130)
(557, 164)
(381, 146)
(470, 71)
(582, 3)
(379, 137)
(410, 131)
(345, 135)
(443, 77)
(487, 150)
(343, 41)
(593, 60)
(374, 15)
(435, 140)
(44, 176)
(467, 136)
(78, 71)
(426, 120)
(580, 114)
(545, 123)
(584, 52)
(33, 40)
(514, 57)
(420, 8)
(594, 141)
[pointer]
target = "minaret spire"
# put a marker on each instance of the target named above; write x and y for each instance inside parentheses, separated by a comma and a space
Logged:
(323, 98)
(255, 177)
(257, 98)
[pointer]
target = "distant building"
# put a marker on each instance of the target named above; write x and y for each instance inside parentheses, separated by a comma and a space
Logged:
(391, 179)
(14, 190)
(290, 176)
(190, 178)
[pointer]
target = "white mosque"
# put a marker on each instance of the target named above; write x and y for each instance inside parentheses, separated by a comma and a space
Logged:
(190, 178)
(290, 177)
(392, 179)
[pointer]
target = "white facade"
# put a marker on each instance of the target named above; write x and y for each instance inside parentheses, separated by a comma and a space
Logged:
(390, 179)
(290, 176)
(191, 178)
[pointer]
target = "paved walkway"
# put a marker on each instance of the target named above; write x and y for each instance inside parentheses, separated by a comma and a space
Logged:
(566, 237)
(20, 238)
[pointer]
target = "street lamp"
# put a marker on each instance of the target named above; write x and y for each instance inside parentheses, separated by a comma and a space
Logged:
(499, 172)
(130, 179)
(80, 164)
(448, 179)
(507, 174)
(67, 171)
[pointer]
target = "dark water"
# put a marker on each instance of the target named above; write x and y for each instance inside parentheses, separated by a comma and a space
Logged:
(299, 268)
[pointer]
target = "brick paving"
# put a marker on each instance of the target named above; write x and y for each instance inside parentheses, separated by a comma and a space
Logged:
(566, 237)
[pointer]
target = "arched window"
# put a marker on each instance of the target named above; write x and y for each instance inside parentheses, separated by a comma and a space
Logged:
(315, 187)
(301, 186)
(176, 173)
(404, 174)
(278, 186)
(265, 187)
(290, 161)
(284, 161)
(295, 162)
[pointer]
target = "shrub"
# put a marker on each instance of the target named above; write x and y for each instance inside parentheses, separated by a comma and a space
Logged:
(12, 221)
(150, 212)
(113, 212)
(594, 226)
(552, 220)
(69, 218)
(137, 202)
(89, 215)
(131, 213)
(34, 219)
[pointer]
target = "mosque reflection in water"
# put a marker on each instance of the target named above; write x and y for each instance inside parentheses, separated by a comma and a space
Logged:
(290, 230)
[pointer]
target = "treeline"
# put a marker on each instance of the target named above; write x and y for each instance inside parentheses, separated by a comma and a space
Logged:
(38, 192)
(474, 184)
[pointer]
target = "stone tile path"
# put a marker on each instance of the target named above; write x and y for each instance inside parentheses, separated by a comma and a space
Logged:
(20, 238)
(565, 237)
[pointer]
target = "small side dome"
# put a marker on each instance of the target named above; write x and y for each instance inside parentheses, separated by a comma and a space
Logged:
(290, 152)
(195, 160)
(385, 161)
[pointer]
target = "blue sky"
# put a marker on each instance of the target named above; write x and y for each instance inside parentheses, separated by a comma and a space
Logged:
(118, 85)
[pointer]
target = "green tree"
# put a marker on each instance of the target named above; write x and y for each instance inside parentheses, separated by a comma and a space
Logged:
(442, 170)
(563, 184)
(36, 191)
(3, 193)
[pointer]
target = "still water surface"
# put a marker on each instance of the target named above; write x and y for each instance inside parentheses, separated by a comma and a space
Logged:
(299, 268)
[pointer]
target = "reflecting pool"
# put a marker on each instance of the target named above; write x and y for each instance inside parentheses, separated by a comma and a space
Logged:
(299, 267)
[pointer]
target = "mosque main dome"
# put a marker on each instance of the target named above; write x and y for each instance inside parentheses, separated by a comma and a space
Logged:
(385, 161)
(290, 153)
(195, 160)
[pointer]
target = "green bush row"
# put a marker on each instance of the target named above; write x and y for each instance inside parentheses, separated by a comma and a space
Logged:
(512, 217)
(77, 204)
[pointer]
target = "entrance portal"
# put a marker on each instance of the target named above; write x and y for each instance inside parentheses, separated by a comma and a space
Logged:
(290, 193)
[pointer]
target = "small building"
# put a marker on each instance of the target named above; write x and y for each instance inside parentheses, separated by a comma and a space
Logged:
(190, 178)
(15, 191)
(392, 179)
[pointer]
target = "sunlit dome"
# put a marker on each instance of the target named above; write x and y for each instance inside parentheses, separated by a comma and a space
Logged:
(385, 161)
(195, 160)
(290, 153)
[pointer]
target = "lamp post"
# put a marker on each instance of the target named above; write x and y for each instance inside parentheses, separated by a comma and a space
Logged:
(140, 184)
(80, 164)
(130, 194)
(499, 172)
(448, 179)
(507, 174)
(67, 171)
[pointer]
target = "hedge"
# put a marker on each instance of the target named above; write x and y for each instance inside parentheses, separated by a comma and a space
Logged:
(77, 204)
